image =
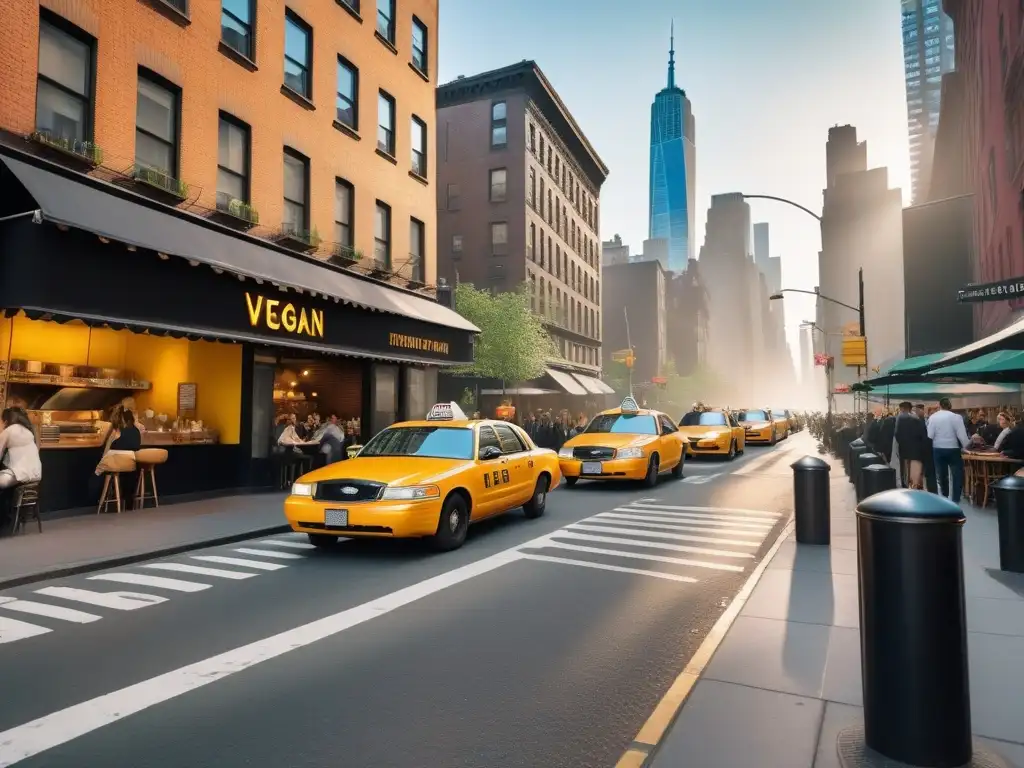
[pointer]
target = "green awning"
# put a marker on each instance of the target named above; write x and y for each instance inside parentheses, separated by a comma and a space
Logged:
(914, 364)
(935, 390)
(1005, 361)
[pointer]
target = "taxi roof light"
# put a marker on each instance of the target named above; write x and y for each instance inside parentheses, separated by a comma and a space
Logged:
(629, 405)
(446, 412)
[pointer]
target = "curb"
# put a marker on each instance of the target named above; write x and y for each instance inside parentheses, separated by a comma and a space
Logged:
(118, 560)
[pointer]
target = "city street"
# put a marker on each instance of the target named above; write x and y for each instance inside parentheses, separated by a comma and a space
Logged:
(544, 642)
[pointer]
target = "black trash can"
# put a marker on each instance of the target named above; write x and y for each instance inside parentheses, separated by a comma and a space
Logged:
(848, 454)
(864, 460)
(857, 447)
(878, 478)
(811, 500)
(1010, 510)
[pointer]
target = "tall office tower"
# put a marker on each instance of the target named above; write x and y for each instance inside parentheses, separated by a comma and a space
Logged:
(673, 169)
(927, 55)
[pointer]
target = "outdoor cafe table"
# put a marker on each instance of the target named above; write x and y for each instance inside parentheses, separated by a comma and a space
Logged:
(981, 470)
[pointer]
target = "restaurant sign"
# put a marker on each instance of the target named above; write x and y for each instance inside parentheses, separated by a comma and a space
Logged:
(418, 343)
(1003, 290)
(277, 315)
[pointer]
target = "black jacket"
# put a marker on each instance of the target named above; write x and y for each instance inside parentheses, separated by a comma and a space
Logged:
(911, 434)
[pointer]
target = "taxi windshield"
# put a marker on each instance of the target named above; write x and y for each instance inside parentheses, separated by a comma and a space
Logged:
(623, 423)
(706, 419)
(752, 416)
(425, 442)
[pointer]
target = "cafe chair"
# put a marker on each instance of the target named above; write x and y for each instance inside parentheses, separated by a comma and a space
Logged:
(114, 465)
(26, 506)
(147, 460)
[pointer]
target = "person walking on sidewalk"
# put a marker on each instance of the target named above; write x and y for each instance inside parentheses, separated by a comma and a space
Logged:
(927, 453)
(949, 438)
(911, 434)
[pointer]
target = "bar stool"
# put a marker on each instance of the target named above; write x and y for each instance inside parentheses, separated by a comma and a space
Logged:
(147, 461)
(113, 466)
(26, 497)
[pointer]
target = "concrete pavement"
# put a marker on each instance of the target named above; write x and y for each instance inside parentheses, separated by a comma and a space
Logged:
(543, 642)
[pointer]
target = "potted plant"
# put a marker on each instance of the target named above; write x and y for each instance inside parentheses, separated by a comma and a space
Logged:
(86, 152)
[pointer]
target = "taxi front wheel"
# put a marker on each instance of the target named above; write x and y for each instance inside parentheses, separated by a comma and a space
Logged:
(652, 473)
(534, 508)
(452, 525)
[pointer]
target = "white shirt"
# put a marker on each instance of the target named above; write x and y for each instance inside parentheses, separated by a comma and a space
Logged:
(22, 454)
(946, 430)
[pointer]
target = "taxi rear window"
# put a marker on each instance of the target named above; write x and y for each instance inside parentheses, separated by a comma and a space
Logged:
(425, 442)
(752, 416)
(624, 423)
(706, 419)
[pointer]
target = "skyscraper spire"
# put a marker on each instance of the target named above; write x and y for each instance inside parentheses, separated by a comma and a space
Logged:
(672, 56)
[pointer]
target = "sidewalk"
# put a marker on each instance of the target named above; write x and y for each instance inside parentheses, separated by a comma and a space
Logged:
(786, 678)
(92, 542)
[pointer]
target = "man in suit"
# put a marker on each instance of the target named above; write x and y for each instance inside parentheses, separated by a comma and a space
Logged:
(910, 435)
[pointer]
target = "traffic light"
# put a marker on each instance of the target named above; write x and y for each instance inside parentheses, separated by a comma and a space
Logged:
(855, 351)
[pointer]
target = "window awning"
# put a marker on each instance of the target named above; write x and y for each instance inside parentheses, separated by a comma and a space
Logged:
(590, 384)
(111, 212)
(566, 381)
(520, 392)
(935, 390)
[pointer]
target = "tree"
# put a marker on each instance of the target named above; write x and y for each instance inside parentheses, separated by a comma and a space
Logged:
(512, 345)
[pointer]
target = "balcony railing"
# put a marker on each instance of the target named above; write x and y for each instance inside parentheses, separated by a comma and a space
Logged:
(161, 181)
(238, 209)
(85, 151)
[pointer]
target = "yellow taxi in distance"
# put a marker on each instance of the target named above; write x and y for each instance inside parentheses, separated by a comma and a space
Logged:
(425, 479)
(758, 425)
(712, 431)
(624, 443)
(781, 418)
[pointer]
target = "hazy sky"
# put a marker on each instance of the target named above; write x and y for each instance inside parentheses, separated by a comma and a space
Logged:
(766, 79)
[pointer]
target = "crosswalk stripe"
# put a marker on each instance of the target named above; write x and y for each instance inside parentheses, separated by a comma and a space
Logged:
(654, 517)
(12, 629)
(651, 544)
(268, 553)
(701, 479)
(694, 515)
(669, 536)
(144, 580)
(120, 601)
(642, 556)
(200, 570)
(260, 565)
(727, 510)
(289, 544)
(624, 524)
(51, 611)
(605, 567)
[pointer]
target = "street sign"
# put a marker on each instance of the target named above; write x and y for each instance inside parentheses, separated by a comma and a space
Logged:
(659, 380)
(841, 389)
(1003, 290)
(855, 351)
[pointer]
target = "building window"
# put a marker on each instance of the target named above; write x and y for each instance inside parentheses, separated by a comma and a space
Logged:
(346, 105)
(298, 55)
(499, 235)
(382, 236)
(533, 186)
(385, 123)
(232, 161)
(456, 243)
(353, 4)
(295, 218)
(417, 247)
(533, 138)
(454, 197)
(419, 146)
(541, 203)
(64, 87)
(236, 26)
(156, 127)
(386, 20)
(499, 124)
(498, 191)
(344, 214)
(419, 46)
(533, 242)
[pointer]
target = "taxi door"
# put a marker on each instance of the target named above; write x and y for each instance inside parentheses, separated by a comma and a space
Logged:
(494, 477)
(520, 485)
(671, 442)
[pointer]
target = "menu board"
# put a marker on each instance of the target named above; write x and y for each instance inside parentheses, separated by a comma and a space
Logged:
(187, 399)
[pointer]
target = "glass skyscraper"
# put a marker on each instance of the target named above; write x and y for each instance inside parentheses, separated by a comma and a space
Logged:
(673, 169)
(927, 55)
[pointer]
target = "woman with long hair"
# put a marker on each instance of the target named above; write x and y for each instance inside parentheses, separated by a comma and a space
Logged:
(19, 452)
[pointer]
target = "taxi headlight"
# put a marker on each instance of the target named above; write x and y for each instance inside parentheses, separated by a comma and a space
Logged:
(565, 453)
(629, 453)
(411, 493)
(303, 489)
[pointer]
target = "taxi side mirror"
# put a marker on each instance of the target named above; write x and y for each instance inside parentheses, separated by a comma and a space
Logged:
(489, 453)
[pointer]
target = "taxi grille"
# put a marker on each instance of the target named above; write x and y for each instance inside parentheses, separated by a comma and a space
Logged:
(333, 490)
(592, 453)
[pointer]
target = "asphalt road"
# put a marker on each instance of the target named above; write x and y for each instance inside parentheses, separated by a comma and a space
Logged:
(539, 643)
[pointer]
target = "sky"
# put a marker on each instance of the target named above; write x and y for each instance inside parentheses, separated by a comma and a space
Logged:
(766, 81)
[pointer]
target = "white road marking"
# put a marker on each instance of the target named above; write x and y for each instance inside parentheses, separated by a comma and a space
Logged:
(119, 601)
(707, 510)
(628, 555)
(776, 455)
(288, 544)
(12, 629)
(681, 518)
(144, 580)
(259, 565)
(664, 535)
(268, 553)
(625, 524)
(44, 733)
(200, 570)
(650, 544)
(617, 568)
(51, 611)
(701, 479)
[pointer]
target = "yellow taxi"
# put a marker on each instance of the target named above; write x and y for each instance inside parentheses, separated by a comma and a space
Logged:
(712, 431)
(783, 421)
(624, 443)
(425, 479)
(758, 424)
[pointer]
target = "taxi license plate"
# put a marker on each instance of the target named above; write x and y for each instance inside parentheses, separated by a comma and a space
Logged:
(591, 468)
(336, 518)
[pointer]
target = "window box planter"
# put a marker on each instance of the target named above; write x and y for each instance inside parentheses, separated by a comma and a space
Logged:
(81, 152)
(155, 180)
(235, 213)
(379, 271)
(298, 240)
(343, 256)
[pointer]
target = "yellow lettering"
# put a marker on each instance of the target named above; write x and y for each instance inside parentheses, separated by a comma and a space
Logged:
(254, 312)
(304, 323)
(318, 322)
(288, 319)
(273, 323)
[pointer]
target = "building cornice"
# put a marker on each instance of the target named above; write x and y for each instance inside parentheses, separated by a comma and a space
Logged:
(538, 115)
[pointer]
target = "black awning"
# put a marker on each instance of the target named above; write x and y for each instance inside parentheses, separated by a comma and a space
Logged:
(111, 212)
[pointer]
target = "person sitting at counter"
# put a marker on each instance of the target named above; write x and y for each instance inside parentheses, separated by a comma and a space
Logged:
(124, 438)
(19, 452)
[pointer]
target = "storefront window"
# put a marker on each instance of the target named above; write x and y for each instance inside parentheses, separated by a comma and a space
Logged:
(420, 392)
(312, 393)
(385, 397)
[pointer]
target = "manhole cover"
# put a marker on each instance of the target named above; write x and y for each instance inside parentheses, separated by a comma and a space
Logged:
(854, 753)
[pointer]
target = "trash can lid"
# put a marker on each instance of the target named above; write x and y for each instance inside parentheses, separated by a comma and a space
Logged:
(918, 505)
(858, 443)
(865, 459)
(811, 463)
(1011, 483)
(878, 468)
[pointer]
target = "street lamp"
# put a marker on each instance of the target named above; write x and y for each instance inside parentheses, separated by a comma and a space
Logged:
(858, 309)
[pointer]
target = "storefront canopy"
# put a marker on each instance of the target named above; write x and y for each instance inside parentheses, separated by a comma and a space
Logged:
(1006, 365)
(566, 382)
(592, 385)
(935, 390)
(906, 370)
(122, 216)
